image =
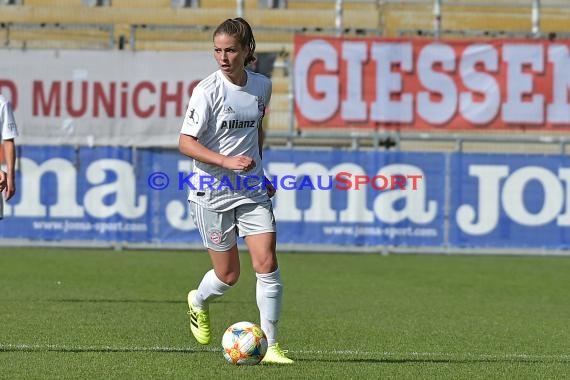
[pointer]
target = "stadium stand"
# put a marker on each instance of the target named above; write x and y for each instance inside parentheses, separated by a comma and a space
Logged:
(163, 25)
(157, 24)
(484, 17)
(124, 13)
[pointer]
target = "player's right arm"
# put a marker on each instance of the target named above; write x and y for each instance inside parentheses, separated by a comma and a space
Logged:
(195, 123)
(191, 147)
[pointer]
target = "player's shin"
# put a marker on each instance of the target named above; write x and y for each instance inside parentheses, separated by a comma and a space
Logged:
(269, 292)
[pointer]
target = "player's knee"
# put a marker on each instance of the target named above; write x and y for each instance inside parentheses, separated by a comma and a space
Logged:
(230, 277)
(265, 264)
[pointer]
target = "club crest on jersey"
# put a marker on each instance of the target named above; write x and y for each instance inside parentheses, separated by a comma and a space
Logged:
(193, 116)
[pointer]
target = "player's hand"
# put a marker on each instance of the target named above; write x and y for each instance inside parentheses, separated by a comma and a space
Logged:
(269, 186)
(239, 163)
(10, 187)
(3, 181)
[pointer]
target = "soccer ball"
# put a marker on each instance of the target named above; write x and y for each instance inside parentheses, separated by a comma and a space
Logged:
(244, 343)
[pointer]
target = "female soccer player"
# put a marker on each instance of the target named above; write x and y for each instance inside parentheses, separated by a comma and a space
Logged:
(222, 133)
(8, 131)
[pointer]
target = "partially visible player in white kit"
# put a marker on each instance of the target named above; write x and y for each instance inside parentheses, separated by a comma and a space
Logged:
(222, 133)
(8, 131)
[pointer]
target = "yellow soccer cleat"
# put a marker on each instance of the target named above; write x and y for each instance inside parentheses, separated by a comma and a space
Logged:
(199, 321)
(275, 355)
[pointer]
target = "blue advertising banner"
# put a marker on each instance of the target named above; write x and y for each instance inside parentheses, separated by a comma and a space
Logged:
(361, 198)
(510, 201)
(67, 193)
(171, 218)
(324, 197)
(115, 194)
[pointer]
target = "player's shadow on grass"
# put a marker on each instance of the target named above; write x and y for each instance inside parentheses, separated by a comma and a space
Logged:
(436, 361)
(31, 348)
(103, 300)
(196, 350)
(78, 300)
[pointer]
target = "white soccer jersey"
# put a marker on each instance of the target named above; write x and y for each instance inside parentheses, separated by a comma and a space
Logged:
(225, 118)
(8, 129)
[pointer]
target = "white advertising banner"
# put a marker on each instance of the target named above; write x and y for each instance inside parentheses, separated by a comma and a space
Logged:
(117, 98)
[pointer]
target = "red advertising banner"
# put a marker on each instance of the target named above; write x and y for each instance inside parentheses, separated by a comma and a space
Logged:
(427, 84)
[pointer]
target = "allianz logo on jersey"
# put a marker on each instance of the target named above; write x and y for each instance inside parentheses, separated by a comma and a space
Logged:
(236, 124)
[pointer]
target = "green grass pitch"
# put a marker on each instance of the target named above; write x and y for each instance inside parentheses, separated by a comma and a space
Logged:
(91, 314)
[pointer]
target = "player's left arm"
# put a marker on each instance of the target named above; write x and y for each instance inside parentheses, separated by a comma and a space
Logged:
(10, 157)
(261, 130)
(261, 139)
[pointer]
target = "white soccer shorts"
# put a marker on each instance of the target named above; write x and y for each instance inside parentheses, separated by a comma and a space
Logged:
(219, 229)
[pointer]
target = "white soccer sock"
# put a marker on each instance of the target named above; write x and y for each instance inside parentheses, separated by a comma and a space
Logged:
(209, 289)
(270, 330)
(269, 292)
